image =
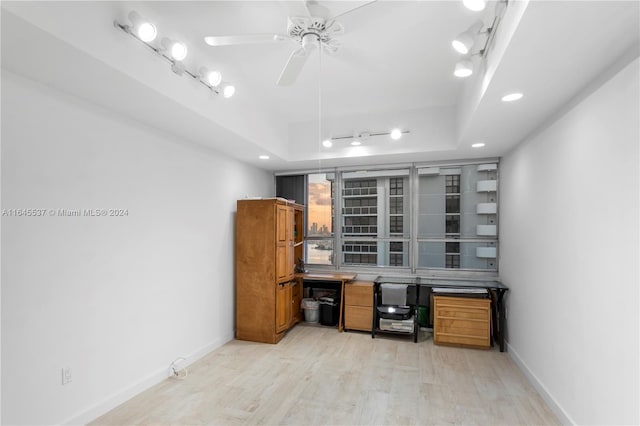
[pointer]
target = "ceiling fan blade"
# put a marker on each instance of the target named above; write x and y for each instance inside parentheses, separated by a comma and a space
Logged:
(244, 39)
(344, 12)
(334, 28)
(298, 8)
(293, 67)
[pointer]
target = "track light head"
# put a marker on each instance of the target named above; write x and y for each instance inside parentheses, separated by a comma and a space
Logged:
(464, 68)
(142, 28)
(464, 41)
(212, 77)
(176, 49)
(396, 134)
(475, 5)
(228, 90)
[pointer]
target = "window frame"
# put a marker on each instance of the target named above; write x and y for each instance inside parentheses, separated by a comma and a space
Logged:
(413, 241)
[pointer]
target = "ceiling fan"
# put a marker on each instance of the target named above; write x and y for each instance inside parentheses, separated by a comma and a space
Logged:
(314, 27)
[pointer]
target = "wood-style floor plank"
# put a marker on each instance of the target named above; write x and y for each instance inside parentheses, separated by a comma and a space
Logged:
(317, 376)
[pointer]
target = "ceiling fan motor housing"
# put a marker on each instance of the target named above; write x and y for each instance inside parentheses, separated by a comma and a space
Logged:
(299, 26)
(309, 30)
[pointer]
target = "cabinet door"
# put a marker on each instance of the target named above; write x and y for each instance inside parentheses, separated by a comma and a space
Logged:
(284, 242)
(283, 306)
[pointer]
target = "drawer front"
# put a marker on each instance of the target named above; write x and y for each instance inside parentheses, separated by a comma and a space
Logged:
(471, 328)
(462, 308)
(454, 339)
(358, 295)
(462, 332)
(462, 313)
(358, 317)
(462, 302)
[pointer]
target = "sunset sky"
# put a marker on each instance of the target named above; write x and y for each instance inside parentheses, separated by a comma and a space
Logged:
(319, 208)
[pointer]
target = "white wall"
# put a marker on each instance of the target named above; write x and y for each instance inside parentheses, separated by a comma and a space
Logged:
(569, 252)
(116, 299)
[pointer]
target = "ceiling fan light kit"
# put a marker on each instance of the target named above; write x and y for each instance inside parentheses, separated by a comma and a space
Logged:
(467, 40)
(174, 52)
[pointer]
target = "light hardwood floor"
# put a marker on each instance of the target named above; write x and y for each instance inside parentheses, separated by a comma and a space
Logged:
(318, 376)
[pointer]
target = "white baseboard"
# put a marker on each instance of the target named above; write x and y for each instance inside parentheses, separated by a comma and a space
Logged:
(123, 395)
(541, 388)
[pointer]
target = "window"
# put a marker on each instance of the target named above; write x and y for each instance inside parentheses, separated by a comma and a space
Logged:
(373, 207)
(457, 217)
(455, 225)
(319, 217)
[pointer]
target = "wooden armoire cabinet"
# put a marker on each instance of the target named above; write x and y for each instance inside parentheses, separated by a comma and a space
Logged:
(268, 241)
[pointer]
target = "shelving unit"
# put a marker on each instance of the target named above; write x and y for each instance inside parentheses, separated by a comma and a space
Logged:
(405, 281)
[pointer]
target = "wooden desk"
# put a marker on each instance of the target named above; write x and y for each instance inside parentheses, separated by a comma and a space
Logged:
(428, 283)
(338, 277)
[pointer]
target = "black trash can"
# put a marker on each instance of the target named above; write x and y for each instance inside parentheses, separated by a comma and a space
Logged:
(329, 311)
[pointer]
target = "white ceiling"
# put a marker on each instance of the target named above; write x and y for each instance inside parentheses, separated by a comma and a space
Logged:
(394, 69)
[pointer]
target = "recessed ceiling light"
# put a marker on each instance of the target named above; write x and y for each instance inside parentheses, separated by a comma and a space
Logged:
(477, 145)
(356, 143)
(327, 143)
(512, 97)
(475, 5)
(396, 134)
(264, 157)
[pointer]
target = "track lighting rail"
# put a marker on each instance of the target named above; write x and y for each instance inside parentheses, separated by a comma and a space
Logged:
(177, 66)
(364, 135)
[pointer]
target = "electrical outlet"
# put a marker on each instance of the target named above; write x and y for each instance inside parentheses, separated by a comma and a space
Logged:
(66, 375)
